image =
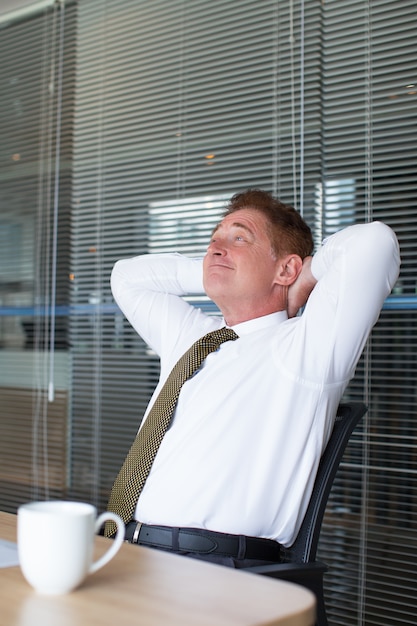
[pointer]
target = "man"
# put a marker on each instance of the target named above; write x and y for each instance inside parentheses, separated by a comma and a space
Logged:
(241, 452)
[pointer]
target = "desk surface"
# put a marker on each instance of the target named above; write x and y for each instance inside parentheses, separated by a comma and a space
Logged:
(148, 587)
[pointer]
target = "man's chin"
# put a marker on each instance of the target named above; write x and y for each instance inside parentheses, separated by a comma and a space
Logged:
(216, 293)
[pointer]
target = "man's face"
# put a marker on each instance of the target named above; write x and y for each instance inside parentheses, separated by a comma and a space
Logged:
(239, 266)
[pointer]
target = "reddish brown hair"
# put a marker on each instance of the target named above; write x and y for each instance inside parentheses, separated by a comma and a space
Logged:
(288, 232)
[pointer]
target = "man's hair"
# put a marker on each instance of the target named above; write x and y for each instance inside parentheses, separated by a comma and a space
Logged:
(288, 232)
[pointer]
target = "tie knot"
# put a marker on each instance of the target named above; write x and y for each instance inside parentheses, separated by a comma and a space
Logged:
(217, 337)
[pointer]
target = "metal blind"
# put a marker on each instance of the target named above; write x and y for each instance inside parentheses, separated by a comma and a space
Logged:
(178, 105)
(36, 102)
(169, 107)
(369, 157)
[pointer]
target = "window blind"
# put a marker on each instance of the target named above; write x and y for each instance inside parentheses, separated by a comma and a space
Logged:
(169, 107)
(369, 67)
(179, 105)
(36, 100)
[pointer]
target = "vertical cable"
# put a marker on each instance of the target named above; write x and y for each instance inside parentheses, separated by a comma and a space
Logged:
(180, 133)
(368, 117)
(45, 293)
(275, 106)
(51, 384)
(97, 249)
(291, 39)
(39, 405)
(367, 354)
(292, 88)
(302, 35)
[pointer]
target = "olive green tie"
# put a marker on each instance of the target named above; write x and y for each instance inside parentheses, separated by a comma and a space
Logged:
(137, 465)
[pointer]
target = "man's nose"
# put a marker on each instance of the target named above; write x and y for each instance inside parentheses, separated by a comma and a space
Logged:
(217, 247)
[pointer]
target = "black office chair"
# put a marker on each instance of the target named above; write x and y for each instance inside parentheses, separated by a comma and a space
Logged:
(300, 565)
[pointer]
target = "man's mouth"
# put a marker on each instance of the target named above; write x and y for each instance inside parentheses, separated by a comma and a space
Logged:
(220, 264)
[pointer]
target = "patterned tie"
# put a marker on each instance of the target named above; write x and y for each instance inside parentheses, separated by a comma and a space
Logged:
(137, 465)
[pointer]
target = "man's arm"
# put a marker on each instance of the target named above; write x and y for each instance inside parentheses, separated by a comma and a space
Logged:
(301, 289)
(148, 291)
(355, 269)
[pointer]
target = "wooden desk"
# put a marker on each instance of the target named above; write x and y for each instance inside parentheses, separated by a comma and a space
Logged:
(145, 587)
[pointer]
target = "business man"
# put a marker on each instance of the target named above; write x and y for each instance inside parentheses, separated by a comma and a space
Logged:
(233, 474)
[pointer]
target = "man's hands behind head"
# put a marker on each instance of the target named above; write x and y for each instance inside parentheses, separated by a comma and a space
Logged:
(300, 290)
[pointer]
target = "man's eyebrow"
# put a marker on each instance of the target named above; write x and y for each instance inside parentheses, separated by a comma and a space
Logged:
(244, 227)
(235, 225)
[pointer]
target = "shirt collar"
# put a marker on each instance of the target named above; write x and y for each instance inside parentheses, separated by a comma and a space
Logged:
(258, 323)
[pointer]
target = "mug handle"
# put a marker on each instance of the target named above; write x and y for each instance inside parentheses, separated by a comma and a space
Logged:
(116, 543)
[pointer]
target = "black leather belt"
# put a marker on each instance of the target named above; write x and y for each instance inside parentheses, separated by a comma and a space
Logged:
(204, 542)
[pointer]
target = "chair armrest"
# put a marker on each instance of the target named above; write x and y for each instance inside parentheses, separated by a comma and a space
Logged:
(290, 571)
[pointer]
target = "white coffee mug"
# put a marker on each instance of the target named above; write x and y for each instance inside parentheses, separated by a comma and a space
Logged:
(55, 542)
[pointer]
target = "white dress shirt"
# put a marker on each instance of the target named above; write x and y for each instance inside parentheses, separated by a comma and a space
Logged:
(249, 428)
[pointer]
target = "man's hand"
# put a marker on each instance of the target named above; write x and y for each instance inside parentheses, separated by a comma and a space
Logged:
(300, 290)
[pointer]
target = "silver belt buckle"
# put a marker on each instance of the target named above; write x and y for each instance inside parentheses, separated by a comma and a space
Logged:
(136, 533)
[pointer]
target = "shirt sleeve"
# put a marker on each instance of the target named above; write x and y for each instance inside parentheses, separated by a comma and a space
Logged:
(356, 270)
(148, 289)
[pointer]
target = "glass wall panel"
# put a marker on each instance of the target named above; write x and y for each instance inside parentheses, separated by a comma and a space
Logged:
(125, 126)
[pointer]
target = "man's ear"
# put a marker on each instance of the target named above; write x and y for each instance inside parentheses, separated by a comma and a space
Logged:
(288, 270)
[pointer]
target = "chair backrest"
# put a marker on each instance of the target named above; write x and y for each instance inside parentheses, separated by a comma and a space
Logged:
(304, 547)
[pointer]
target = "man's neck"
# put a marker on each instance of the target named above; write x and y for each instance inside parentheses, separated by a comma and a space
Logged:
(239, 317)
